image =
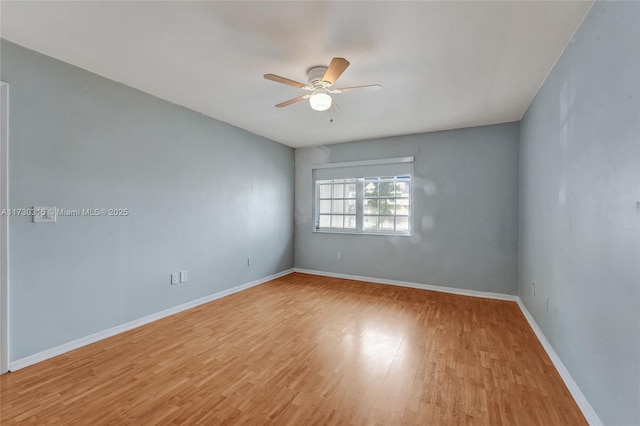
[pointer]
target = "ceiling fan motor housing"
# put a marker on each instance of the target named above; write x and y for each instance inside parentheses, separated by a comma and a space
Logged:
(315, 75)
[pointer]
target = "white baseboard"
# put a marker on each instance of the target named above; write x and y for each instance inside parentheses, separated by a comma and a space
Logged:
(441, 289)
(78, 343)
(586, 408)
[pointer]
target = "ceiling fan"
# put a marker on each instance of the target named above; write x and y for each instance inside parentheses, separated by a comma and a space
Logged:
(321, 81)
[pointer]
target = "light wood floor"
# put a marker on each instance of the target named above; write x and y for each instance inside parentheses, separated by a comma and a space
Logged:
(303, 350)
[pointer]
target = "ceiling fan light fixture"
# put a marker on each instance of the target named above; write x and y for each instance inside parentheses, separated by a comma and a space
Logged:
(320, 101)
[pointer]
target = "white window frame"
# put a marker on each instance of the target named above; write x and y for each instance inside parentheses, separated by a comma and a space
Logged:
(356, 199)
(358, 171)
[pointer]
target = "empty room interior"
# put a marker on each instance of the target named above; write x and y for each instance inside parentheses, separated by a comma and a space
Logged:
(319, 212)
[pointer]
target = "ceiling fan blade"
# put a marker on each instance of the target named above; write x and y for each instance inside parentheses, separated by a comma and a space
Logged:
(356, 88)
(283, 80)
(336, 68)
(293, 101)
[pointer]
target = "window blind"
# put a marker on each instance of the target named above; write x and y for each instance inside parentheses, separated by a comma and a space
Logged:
(360, 169)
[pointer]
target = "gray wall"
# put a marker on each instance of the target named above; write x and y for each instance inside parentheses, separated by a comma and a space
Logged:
(579, 228)
(202, 195)
(465, 211)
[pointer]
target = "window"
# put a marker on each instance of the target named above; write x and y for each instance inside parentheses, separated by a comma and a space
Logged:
(350, 198)
(336, 204)
(386, 204)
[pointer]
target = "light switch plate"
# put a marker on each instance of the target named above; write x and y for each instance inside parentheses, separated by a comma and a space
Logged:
(44, 214)
(183, 276)
(174, 278)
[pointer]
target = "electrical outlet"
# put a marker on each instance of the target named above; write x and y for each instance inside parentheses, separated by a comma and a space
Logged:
(183, 276)
(339, 255)
(44, 214)
(249, 261)
(533, 289)
(174, 278)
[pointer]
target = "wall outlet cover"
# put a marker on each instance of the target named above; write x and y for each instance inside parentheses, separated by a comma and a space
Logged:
(44, 214)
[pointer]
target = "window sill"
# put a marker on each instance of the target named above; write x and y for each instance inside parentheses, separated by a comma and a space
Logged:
(382, 234)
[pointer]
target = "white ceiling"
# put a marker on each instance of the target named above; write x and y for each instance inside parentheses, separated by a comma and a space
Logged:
(442, 65)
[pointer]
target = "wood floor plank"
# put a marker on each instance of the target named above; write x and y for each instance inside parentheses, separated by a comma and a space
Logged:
(304, 349)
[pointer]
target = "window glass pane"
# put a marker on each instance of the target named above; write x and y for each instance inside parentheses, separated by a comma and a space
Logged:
(338, 190)
(371, 206)
(402, 206)
(385, 223)
(325, 221)
(386, 189)
(386, 206)
(371, 189)
(350, 190)
(402, 224)
(402, 189)
(350, 206)
(325, 206)
(370, 223)
(325, 191)
(350, 222)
